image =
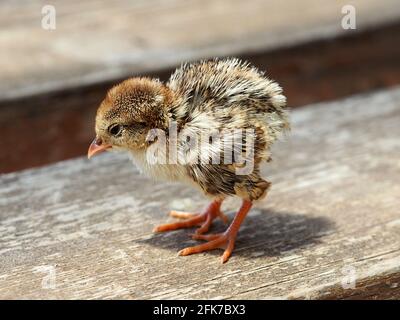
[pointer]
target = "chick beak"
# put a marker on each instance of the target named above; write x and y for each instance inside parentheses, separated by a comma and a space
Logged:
(97, 146)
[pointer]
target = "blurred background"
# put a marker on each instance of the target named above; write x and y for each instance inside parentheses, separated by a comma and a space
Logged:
(58, 58)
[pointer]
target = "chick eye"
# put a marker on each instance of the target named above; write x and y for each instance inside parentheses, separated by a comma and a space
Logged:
(116, 129)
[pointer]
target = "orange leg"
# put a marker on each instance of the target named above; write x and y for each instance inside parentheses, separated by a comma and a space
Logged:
(225, 240)
(203, 219)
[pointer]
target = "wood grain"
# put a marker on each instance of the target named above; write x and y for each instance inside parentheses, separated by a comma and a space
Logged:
(333, 207)
(97, 41)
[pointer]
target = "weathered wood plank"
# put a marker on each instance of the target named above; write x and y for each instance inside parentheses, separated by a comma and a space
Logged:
(334, 205)
(100, 41)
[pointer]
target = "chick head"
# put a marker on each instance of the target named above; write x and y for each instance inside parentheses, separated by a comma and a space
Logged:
(127, 114)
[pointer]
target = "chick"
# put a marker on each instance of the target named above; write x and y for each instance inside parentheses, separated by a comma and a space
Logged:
(223, 96)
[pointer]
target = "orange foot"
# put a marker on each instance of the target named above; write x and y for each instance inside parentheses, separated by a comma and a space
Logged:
(203, 219)
(225, 240)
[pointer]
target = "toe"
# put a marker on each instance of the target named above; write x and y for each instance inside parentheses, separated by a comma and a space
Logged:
(228, 251)
(207, 237)
(184, 252)
(188, 223)
(213, 244)
(225, 256)
(181, 214)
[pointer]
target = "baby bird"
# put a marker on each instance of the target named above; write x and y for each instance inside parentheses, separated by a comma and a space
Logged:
(212, 125)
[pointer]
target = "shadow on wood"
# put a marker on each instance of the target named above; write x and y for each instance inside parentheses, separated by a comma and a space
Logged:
(264, 233)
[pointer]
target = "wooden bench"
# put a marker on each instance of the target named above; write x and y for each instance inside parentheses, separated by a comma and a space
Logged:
(330, 227)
